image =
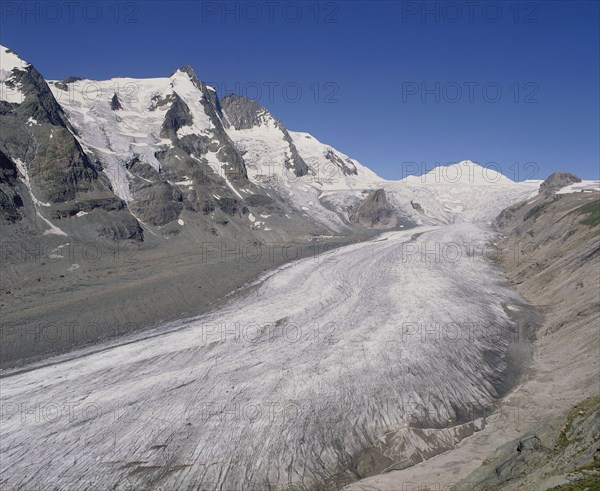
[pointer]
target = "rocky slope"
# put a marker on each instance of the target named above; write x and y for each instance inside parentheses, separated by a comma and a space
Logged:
(554, 261)
(556, 182)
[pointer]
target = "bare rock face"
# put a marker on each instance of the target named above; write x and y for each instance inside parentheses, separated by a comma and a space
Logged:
(157, 204)
(177, 117)
(58, 166)
(562, 451)
(557, 181)
(374, 211)
(10, 199)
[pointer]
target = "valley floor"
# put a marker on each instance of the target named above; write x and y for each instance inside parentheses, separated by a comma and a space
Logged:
(326, 370)
(59, 296)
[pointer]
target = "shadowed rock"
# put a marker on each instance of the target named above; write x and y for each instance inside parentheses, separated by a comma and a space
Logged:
(115, 104)
(374, 211)
(557, 181)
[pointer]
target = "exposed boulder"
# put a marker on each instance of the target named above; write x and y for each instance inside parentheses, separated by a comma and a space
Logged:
(417, 206)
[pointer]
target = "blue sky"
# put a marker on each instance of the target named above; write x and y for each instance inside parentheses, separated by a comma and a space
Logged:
(392, 84)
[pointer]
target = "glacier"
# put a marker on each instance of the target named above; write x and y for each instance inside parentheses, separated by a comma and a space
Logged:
(392, 344)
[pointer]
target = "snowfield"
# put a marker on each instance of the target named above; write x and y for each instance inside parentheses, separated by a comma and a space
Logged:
(586, 186)
(115, 137)
(287, 384)
(464, 191)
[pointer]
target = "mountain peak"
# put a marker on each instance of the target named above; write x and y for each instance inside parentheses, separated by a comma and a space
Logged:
(188, 72)
(12, 68)
(557, 181)
(9, 60)
(465, 172)
(187, 69)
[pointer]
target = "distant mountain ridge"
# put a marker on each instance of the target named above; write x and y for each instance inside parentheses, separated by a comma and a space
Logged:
(120, 157)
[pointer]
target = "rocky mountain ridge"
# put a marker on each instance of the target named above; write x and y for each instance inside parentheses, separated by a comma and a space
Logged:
(158, 152)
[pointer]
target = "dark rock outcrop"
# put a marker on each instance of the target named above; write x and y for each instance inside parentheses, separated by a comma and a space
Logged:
(374, 211)
(10, 199)
(417, 206)
(347, 166)
(177, 117)
(115, 104)
(557, 181)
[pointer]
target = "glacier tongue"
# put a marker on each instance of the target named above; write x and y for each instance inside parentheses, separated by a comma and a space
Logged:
(288, 383)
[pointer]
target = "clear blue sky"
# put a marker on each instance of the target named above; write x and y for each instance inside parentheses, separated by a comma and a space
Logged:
(370, 62)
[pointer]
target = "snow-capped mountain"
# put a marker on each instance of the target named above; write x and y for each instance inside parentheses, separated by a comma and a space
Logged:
(49, 182)
(464, 191)
(168, 152)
